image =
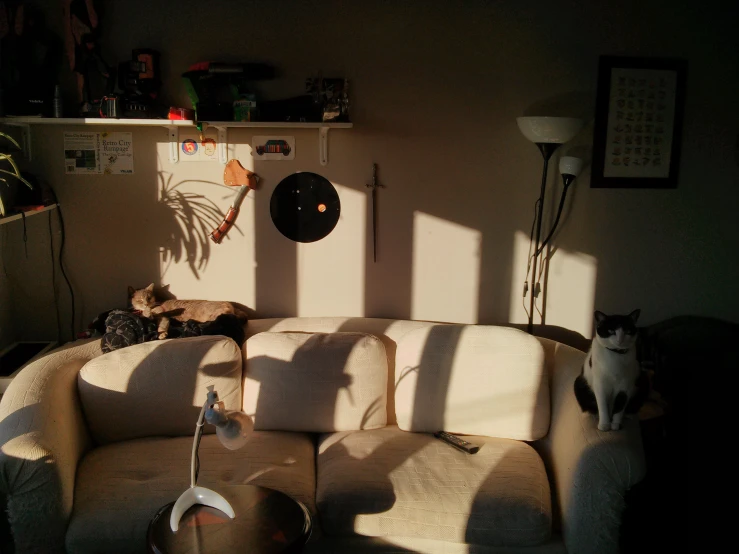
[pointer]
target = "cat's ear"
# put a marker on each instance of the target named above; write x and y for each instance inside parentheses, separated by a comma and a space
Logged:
(599, 317)
(150, 288)
(634, 315)
(131, 290)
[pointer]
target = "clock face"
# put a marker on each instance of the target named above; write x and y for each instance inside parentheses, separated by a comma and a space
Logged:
(305, 207)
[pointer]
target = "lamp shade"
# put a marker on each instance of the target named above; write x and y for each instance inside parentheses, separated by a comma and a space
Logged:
(556, 130)
(233, 429)
(569, 165)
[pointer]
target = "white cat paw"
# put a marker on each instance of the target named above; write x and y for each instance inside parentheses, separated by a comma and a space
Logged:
(604, 426)
(162, 336)
(615, 426)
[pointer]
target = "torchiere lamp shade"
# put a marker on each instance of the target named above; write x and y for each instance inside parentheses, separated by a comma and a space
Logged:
(556, 130)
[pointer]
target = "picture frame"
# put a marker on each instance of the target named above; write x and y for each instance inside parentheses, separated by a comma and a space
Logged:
(638, 122)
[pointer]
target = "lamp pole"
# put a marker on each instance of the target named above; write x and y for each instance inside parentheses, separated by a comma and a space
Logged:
(546, 149)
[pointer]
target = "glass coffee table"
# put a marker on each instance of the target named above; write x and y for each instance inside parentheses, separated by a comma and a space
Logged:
(267, 521)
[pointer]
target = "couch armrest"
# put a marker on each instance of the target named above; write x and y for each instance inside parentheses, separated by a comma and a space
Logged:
(42, 438)
(590, 470)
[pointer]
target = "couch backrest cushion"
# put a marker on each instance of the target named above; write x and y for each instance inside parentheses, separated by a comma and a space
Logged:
(315, 382)
(158, 388)
(389, 331)
(472, 380)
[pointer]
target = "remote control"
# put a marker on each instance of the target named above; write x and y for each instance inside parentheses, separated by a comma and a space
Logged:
(457, 442)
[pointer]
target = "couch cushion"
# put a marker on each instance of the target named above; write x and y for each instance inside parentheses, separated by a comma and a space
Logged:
(389, 331)
(158, 388)
(472, 379)
(405, 545)
(388, 482)
(121, 486)
(315, 382)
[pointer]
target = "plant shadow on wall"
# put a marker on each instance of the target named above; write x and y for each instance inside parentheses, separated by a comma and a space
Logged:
(189, 218)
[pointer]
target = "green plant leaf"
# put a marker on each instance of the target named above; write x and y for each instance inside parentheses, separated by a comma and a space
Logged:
(11, 161)
(21, 179)
(10, 139)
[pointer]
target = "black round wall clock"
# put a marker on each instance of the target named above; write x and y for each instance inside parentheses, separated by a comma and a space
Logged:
(305, 207)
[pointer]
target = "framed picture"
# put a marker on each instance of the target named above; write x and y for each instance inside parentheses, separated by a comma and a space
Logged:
(638, 123)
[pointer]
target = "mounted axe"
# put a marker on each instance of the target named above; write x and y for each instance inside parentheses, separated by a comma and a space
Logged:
(235, 175)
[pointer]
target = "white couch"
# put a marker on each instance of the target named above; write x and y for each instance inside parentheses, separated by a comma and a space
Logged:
(91, 446)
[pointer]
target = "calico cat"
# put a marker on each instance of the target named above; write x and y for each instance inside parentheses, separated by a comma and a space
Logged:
(611, 382)
(145, 301)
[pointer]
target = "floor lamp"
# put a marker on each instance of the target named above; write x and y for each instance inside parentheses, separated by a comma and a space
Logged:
(548, 133)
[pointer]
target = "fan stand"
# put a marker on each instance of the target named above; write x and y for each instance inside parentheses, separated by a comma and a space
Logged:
(198, 495)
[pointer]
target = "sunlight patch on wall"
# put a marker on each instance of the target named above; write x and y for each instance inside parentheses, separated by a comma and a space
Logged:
(446, 270)
(571, 292)
(331, 270)
(517, 314)
(192, 201)
(570, 289)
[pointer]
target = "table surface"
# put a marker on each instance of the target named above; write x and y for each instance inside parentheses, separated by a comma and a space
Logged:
(266, 521)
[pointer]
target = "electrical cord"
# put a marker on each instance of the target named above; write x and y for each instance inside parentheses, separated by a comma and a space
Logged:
(61, 266)
(3, 249)
(531, 237)
(536, 287)
(19, 284)
(530, 258)
(53, 282)
(556, 220)
(25, 234)
(197, 456)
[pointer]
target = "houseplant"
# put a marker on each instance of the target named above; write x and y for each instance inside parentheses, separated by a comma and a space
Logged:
(9, 178)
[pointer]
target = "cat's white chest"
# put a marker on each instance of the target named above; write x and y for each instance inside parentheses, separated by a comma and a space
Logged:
(612, 371)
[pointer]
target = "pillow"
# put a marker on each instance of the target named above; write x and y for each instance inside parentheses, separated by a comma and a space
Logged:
(158, 388)
(472, 380)
(316, 382)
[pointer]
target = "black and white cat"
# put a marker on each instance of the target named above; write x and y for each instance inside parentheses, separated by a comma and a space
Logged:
(611, 382)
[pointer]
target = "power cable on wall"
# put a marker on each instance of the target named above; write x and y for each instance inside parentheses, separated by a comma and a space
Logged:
(61, 267)
(53, 282)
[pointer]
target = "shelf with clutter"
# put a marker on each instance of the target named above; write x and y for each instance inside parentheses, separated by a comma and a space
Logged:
(173, 125)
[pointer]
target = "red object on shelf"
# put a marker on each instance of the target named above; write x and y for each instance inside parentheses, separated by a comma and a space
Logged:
(180, 113)
(31, 208)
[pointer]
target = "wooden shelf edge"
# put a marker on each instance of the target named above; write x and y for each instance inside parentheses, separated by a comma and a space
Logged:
(170, 123)
(29, 213)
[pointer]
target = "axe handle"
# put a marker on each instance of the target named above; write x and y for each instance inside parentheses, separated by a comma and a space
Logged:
(233, 212)
(222, 230)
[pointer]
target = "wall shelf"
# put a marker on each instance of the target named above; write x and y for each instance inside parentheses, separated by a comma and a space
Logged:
(173, 126)
(29, 213)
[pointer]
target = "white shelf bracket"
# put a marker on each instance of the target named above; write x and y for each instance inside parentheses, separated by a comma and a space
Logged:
(26, 140)
(323, 145)
(222, 144)
(174, 144)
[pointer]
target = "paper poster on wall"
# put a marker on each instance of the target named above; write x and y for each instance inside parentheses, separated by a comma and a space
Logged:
(96, 153)
(193, 148)
(273, 148)
(116, 153)
(82, 153)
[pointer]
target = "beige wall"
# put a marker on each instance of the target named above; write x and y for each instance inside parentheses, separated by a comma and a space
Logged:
(27, 300)
(436, 88)
(7, 333)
